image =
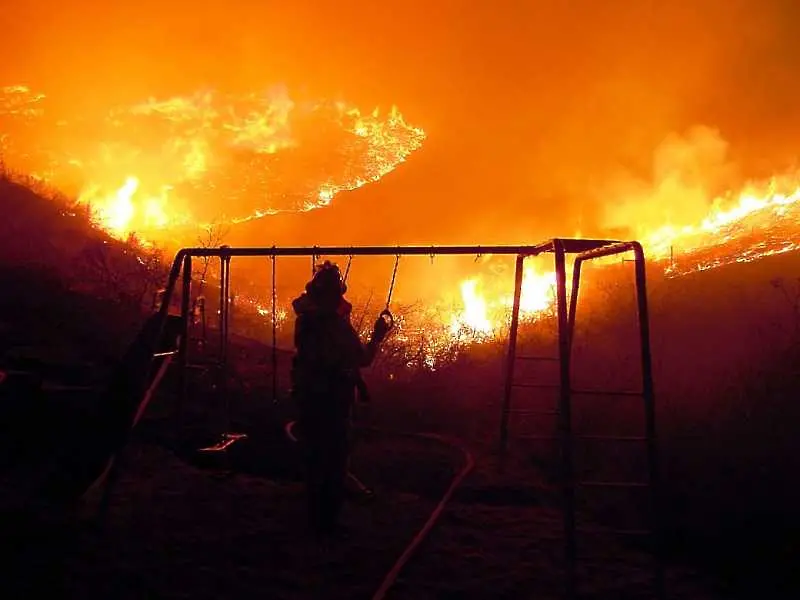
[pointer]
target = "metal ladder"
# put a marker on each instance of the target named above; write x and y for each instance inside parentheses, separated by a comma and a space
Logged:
(551, 400)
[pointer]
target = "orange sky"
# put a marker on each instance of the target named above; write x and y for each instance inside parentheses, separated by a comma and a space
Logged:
(528, 106)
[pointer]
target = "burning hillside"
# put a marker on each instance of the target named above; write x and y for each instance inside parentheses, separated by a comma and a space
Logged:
(163, 167)
(697, 214)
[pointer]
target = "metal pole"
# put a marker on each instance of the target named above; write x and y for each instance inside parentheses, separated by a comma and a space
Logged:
(511, 357)
(565, 420)
(222, 303)
(573, 299)
(226, 285)
(203, 320)
(572, 246)
(274, 334)
(648, 395)
(183, 344)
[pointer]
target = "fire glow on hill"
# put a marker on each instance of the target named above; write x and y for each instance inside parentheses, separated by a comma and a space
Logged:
(163, 168)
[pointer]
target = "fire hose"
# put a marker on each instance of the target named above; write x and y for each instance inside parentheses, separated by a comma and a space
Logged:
(467, 465)
(469, 462)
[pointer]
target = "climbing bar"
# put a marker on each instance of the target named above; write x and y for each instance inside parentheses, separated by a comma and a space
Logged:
(526, 411)
(612, 484)
(627, 393)
(536, 386)
(612, 438)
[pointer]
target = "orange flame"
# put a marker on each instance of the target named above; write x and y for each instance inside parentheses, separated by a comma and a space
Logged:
(164, 165)
(155, 165)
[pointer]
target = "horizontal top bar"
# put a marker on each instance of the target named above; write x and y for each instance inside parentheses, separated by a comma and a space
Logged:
(570, 246)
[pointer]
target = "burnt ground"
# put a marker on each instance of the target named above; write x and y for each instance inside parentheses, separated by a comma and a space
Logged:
(187, 525)
(184, 524)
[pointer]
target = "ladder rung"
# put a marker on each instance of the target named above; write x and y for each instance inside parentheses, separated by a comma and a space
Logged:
(613, 484)
(540, 386)
(611, 531)
(612, 438)
(526, 411)
(605, 393)
(549, 358)
(161, 354)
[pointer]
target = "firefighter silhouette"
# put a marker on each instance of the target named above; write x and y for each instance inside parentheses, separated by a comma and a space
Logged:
(325, 377)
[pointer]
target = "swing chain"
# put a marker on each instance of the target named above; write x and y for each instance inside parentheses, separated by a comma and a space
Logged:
(391, 285)
(314, 258)
(347, 268)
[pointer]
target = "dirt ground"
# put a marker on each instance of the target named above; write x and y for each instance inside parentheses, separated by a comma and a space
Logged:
(186, 525)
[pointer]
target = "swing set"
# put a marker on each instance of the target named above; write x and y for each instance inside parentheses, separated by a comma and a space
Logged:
(582, 250)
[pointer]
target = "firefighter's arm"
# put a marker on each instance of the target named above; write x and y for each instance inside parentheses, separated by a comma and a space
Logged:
(379, 331)
(370, 350)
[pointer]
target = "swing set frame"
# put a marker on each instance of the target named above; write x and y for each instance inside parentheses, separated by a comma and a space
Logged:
(583, 250)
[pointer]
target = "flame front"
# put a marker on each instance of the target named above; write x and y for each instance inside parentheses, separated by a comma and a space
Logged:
(162, 166)
(762, 219)
(486, 302)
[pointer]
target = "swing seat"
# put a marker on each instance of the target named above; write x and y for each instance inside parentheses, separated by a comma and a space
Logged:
(64, 462)
(357, 491)
(291, 432)
(226, 441)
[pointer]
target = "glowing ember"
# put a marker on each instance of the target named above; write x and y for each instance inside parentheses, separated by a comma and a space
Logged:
(164, 166)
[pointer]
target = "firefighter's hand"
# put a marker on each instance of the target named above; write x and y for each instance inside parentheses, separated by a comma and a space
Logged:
(382, 326)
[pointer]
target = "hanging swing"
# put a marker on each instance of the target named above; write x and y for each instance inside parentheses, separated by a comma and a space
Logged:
(386, 314)
(347, 269)
(228, 437)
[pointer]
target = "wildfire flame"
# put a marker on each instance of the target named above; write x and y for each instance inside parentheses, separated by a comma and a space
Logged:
(162, 166)
(155, 168)
(762, 219)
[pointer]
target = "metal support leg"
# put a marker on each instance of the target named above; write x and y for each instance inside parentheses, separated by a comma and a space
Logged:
(183, 343)
(650, 417)
(224, 307)
(565, 420)
(573, 299)
(511, 357)
(222, 304)
(274, 307)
